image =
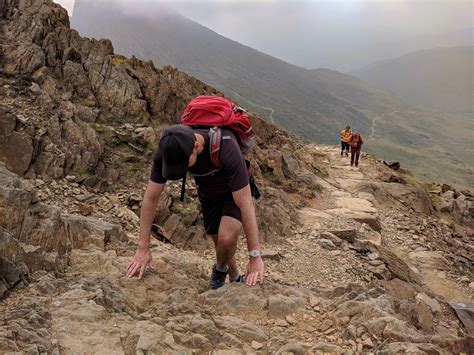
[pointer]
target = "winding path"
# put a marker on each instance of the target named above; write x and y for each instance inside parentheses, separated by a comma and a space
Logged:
(272, 111)
(372, 135)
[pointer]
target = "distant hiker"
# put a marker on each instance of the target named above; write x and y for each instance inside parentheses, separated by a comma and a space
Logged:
(215, 159)
(355, 142)
(345, 137)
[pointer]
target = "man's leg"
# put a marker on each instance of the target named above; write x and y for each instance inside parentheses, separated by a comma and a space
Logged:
(226, 245)
(357, 154)
(233, 269)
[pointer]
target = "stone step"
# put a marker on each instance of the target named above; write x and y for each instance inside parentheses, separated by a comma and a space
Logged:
(311, 217)
(371, 219)
(347, 184)
(339, 193)
(354, 175)
(356, 204)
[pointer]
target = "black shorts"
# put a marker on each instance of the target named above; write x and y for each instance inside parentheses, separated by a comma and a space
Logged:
(213, 210)
(345, 145)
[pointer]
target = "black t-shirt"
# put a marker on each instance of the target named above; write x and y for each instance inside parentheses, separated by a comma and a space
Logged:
(231, 176)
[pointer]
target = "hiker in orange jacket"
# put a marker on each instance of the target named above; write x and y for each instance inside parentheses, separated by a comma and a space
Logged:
(345, 138)
(355, 142)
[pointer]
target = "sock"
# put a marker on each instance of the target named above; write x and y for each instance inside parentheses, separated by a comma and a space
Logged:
(233, 279)
(224, 269)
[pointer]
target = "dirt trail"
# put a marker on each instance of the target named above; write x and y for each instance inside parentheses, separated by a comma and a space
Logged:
(347, 202)
(272, 111)
(374, 120)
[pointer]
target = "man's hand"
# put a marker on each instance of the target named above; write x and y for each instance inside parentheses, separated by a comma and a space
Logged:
(140, 261)
(254, 271)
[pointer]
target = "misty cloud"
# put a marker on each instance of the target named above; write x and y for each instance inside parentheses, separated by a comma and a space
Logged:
(338, 34)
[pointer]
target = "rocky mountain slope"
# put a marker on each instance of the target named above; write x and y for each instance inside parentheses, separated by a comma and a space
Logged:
(356, 261)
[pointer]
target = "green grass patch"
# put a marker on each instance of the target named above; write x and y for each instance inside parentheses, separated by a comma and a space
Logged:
(269, 176)
(88, 102)
(117, 60)
(411, 180)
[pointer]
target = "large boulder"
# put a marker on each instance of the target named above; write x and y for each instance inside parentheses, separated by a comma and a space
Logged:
(35, 236)
(10, 274)
(463, 209)
(285, 170)
(409, 196)
(16, 147)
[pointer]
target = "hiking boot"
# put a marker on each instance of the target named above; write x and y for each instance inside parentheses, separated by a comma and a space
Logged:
(217, 278)
(342, 152)
(240, 278)
(347, 154)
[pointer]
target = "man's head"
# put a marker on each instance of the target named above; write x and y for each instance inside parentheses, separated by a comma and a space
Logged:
(348, 127)
(177, 145)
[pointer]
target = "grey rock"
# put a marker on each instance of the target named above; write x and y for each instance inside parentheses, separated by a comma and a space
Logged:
(351, 332)
(327, 348)
(349, 235)
(326, 325)
(16, 147)
(327, 244)
(293, 347)
(373, 256)
(281, 306)
(332, 237)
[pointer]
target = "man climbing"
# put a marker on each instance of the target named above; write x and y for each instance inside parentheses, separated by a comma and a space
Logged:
(224, 193)
(355, 142)
(345, 138)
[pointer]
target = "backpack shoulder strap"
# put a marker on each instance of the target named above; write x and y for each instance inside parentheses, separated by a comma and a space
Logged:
(215, 138)
(183, 188)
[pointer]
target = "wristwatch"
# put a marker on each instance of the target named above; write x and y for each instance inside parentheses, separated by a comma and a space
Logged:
(255, 253)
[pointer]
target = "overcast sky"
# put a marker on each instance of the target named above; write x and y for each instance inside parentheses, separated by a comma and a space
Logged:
(337, 34)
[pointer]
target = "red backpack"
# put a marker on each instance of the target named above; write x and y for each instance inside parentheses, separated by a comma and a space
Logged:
(215, 112)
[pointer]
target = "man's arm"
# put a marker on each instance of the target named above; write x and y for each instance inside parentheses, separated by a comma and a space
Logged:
(147, 212)
(142, 257)
(243, 200)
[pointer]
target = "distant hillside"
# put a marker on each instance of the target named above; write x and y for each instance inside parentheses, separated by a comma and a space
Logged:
(313, 104)
(288, 94)
(441, 78)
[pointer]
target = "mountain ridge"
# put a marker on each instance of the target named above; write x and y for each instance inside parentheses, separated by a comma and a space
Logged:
(440, 78)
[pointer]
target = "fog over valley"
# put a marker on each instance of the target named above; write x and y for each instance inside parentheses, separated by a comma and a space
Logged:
(344, 35)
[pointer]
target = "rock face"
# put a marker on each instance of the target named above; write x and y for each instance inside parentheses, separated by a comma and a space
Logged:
(463, 209)
(86, 111)
(16, 147)
(39, 237)
(78, 80)
(412, 197)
